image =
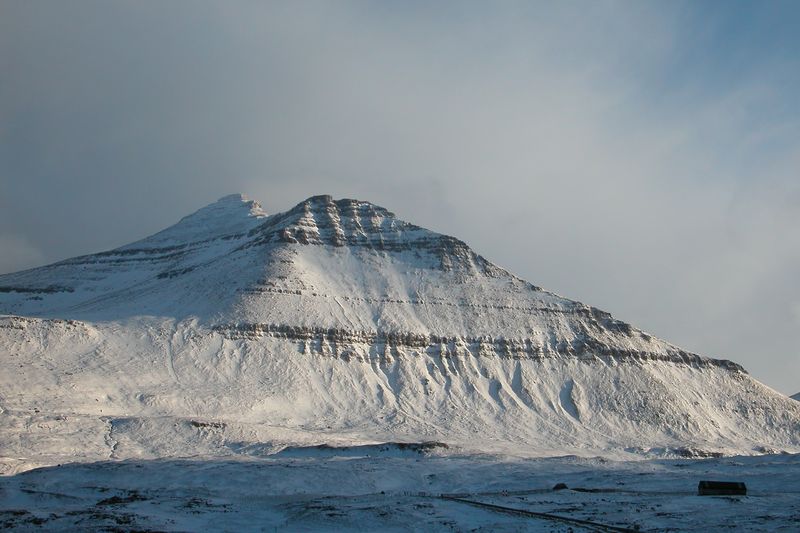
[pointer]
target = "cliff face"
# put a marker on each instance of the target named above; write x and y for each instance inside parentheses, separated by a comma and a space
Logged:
(337, 320)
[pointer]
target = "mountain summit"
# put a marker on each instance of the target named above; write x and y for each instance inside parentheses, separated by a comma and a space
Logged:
(236, 330)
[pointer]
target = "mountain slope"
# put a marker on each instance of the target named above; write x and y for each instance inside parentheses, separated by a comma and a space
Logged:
(237, 332)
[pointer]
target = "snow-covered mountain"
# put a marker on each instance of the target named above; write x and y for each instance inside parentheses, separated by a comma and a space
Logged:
(336, 322)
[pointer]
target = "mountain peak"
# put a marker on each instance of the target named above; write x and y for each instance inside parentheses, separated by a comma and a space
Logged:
(226, 210)
(345, 206)
(357, 224)
(234, 213)
(236, 199)
(323, 220)
(236, 205)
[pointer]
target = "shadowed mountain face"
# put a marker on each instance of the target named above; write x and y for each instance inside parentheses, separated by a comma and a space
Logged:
(337, 318)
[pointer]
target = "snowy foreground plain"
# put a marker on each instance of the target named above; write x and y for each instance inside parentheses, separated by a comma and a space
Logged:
(389, 489)
(245, 372)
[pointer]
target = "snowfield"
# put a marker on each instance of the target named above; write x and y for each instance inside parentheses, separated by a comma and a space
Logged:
(322, 367)
(397, 490)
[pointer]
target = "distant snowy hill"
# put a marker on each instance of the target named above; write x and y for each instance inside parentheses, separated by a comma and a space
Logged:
(235, 332)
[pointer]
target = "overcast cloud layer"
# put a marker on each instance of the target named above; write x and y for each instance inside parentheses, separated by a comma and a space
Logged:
(641, 157)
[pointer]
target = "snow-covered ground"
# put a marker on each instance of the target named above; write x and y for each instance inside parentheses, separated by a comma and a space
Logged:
(403, 490)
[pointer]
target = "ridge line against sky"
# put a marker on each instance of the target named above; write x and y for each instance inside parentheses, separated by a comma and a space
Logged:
(637, 156)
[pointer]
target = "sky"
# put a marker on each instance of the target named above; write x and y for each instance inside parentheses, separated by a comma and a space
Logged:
(639, 156)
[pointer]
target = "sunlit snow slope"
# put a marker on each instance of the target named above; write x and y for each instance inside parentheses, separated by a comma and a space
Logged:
(335, 322)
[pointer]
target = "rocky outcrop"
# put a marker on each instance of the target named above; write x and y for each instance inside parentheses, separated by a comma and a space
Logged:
(368, 345)
(322, 221)
(50, 289)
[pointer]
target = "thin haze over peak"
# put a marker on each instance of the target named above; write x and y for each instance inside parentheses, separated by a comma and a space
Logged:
(640, 157)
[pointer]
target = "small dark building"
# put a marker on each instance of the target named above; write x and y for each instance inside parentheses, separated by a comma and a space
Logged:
(721, 488)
